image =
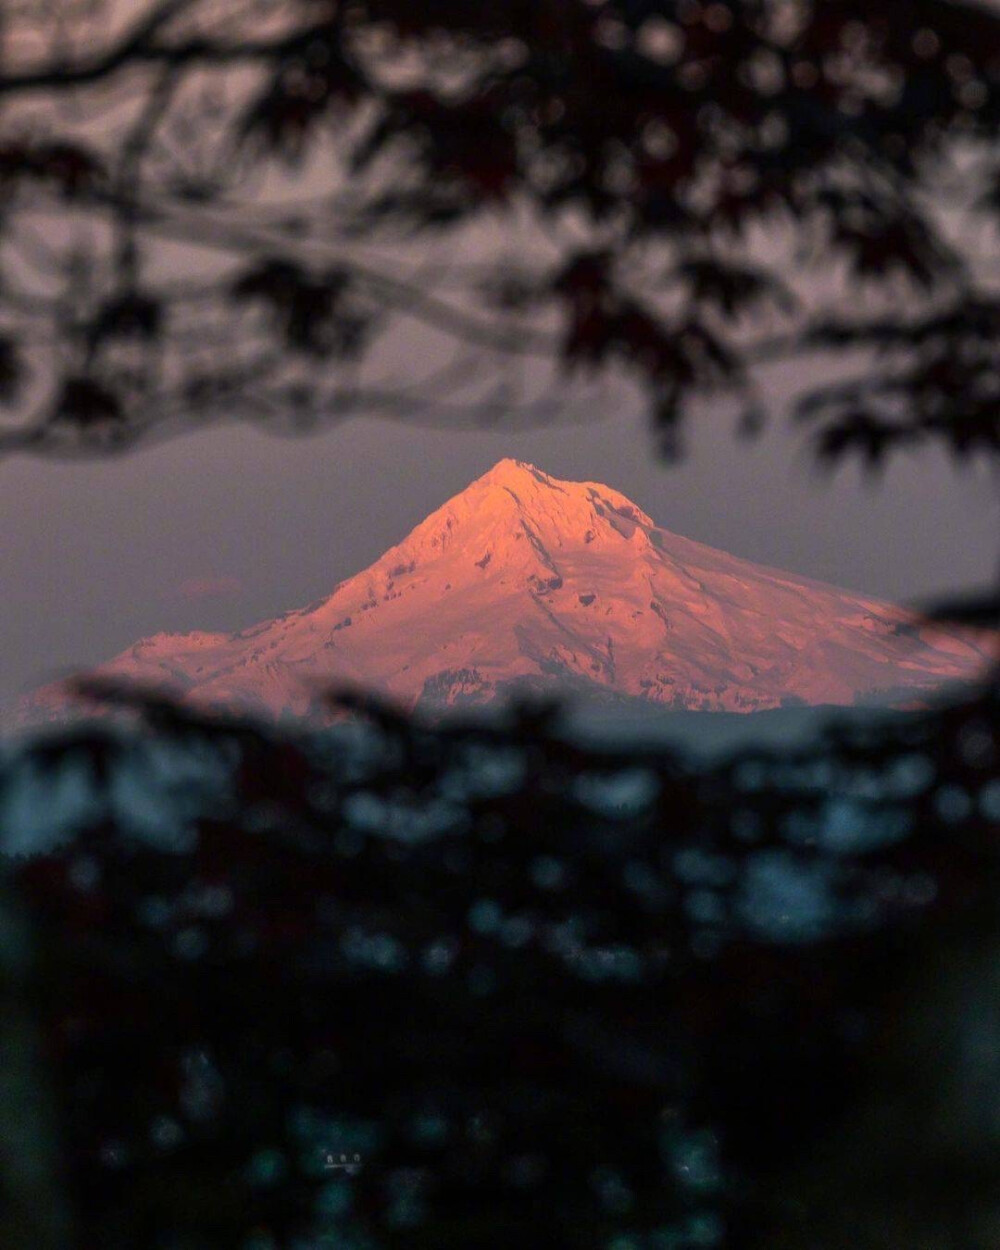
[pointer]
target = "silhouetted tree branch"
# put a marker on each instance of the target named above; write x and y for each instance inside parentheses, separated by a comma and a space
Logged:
(542, 994)
(685, 186)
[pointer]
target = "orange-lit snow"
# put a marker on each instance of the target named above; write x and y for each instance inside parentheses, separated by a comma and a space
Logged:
(523, 578)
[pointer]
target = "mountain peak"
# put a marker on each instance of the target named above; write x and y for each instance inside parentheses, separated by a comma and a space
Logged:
(513, 474)
(520, 518)
(509, 470)
(538, 493)
(524, 580)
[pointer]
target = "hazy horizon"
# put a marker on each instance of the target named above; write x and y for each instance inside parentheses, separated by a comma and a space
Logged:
(221, 530)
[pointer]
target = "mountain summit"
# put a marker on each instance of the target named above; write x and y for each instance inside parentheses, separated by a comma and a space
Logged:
(525, 581)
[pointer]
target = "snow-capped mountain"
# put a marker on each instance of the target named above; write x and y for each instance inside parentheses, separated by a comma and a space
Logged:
(523, 580)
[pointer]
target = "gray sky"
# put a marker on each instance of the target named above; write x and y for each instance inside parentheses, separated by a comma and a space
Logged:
(219, 530)
(224, 528)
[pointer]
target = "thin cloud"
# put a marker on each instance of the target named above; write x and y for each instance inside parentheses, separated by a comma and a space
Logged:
(198, 588)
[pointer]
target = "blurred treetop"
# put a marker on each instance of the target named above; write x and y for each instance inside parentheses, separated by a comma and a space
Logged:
(293, 210)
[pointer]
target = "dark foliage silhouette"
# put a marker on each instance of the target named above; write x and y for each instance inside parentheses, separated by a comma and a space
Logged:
(543, 995)
(210, 210)
(436, 986)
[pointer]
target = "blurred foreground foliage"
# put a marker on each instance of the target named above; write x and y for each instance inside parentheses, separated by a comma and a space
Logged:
(518, 991)
(291, 211)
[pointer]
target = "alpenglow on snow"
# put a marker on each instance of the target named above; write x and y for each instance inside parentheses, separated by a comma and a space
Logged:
(525, 582)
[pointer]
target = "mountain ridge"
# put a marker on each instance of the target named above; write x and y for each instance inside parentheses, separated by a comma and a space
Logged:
(523, 581)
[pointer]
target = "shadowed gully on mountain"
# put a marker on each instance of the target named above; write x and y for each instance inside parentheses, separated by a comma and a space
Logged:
(524, 582)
